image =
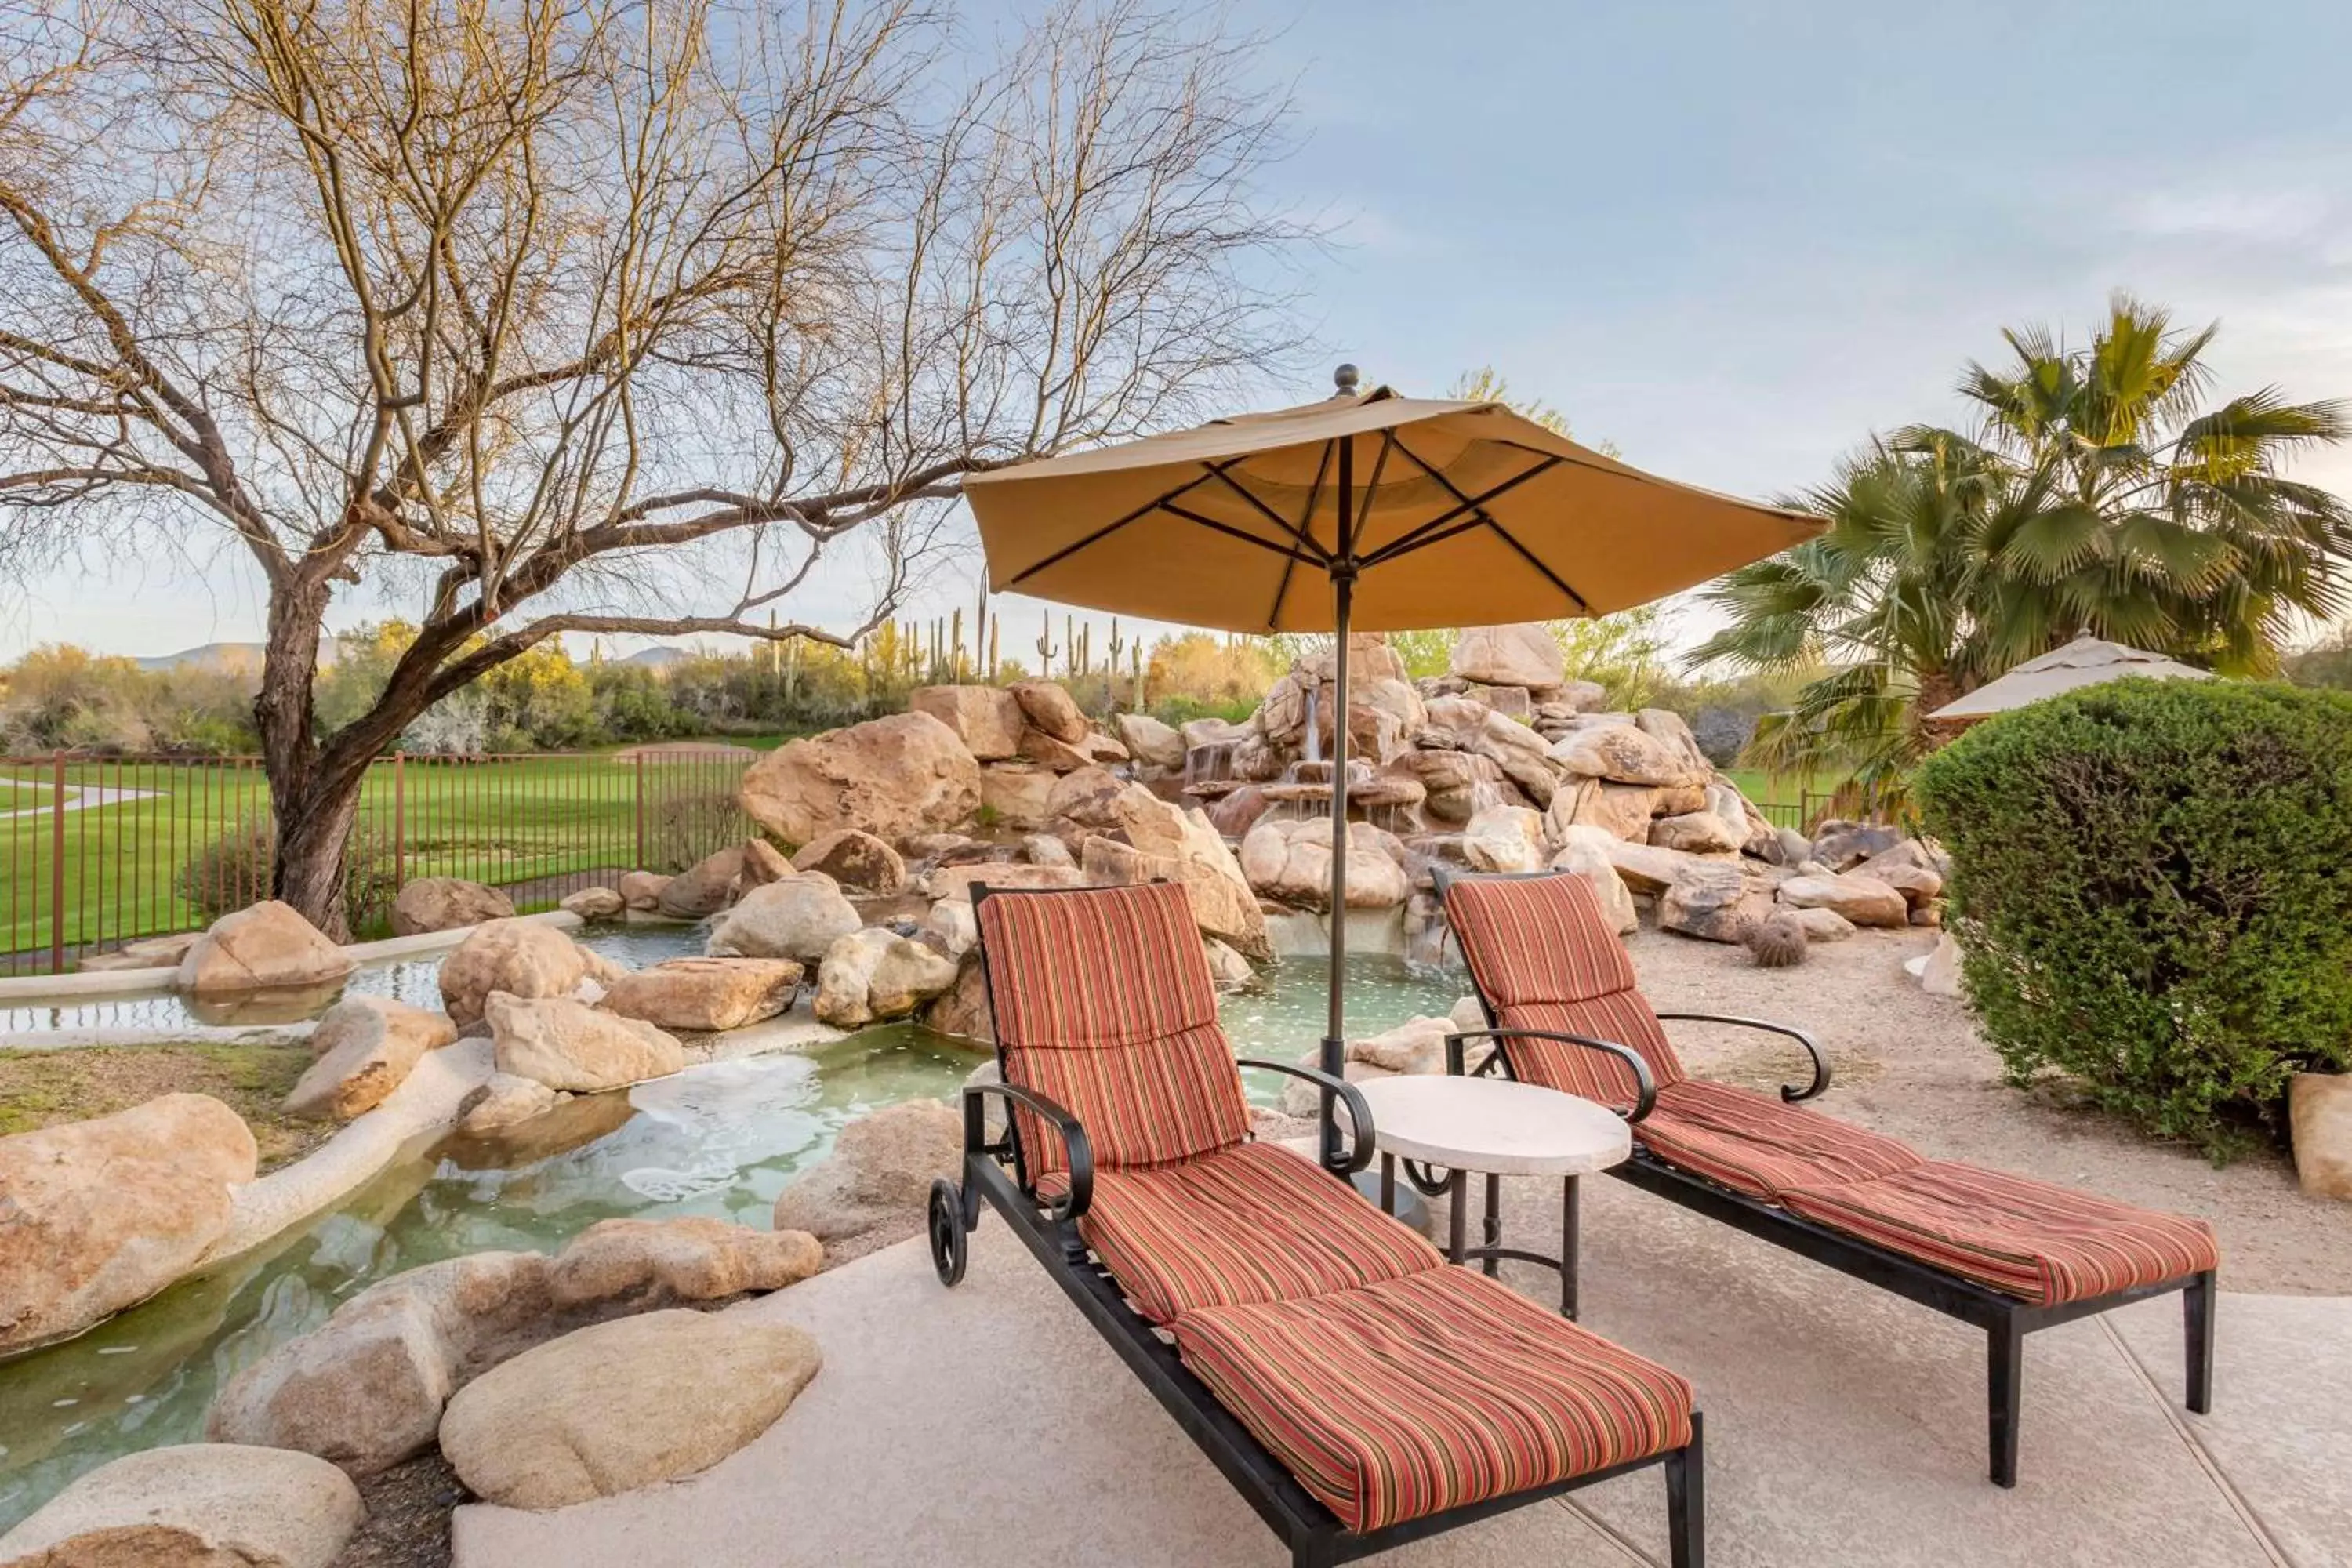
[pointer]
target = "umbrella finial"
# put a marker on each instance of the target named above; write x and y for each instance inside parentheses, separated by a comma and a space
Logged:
(1344, 378)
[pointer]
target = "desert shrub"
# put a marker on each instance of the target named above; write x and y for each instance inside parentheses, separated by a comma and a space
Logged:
(2152, 891)
(234, 871)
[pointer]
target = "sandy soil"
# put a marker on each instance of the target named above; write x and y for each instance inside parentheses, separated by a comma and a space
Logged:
(1913, 1067)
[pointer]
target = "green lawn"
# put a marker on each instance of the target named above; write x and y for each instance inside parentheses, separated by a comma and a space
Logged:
(511, 820)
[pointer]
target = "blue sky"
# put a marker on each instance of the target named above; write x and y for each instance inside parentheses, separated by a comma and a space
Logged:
(1732, 238)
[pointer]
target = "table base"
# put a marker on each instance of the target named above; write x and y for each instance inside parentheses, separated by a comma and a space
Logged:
(1492, 1251)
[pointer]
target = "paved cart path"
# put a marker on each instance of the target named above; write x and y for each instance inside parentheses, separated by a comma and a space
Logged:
(988, 1428)
(79, 797)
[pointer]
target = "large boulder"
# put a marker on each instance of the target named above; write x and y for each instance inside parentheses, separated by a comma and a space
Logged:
(1522, 655)
(1050, 711)
(986, 719)
(706, 993)
(1622, 810)
(445, 903)
(194, 1505)
(366, 1389)
(1456, 785)
(855, 859)
(1669, 729)
(520, 957)
(871, 1190)
(704, 887)
(364, 1047)
(2319, 1111)
(642, 890)
(1222, 904)
(622, 1404)
(1290, 864)
(635, 1263)
(593, 903)
(1644, 868)
(762, 863)
(1698, 832)
(1862, 899)
(961, 1010)
(873, 975)
(1843, 845)
(1152, 742)
(958, 881)
(1084, 798)
(98, 1215)
(799, 917)
(893, 776)
(1621, 753)
(1504, 838)
(1018, 794)
(567, 1044)
(266, 947)
(1056, 756)
(1715, 902)
(1587, 852)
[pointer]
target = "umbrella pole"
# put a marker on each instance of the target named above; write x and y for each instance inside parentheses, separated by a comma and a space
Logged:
(1335, 1036)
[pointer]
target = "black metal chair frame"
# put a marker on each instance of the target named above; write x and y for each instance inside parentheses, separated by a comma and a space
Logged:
(2005, 1320)
(996, 1170)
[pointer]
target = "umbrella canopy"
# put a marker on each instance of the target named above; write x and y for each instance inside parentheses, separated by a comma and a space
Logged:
(1367, 511)
(2085, 661)
(1486, 517)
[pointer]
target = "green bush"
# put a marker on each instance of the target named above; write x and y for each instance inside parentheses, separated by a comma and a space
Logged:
(233, 871)
(2152, 891)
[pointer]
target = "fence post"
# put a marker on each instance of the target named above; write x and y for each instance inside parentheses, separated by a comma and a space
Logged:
(57, 864)
(399, 821)
(641, 811)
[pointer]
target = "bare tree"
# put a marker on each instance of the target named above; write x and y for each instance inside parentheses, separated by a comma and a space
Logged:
(551, 312)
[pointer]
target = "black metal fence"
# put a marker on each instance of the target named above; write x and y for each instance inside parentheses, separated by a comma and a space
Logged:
(98, 851)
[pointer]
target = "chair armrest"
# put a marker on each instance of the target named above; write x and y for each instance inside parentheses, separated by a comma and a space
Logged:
(1647, 1086)
(1821, 1063)
(1360, 1110)
(1075, 1142)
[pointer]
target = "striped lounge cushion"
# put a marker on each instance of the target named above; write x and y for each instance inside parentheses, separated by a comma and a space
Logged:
(2041, 1243)
(1544, 957)
(1426, 1393)
(1760, 1145)
(1103, 1003)
(1250, 1224)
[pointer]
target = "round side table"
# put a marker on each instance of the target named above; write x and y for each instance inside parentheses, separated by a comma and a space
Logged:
(1498, 1128)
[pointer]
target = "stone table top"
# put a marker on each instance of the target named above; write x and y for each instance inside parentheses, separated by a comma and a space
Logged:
(1494, 1125)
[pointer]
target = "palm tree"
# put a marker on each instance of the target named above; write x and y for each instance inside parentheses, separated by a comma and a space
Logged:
(2096, 494)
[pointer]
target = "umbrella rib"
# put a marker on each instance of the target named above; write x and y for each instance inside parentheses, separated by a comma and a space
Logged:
(1244, 535)
(1307, 522)
(1478, 507)
(1217, 470)
(1379, 464)
(1419, 536)
(1533, 560)
(1105, 532)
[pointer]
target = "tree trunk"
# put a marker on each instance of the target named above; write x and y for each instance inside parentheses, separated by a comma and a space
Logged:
(313, 811)
(314, 826)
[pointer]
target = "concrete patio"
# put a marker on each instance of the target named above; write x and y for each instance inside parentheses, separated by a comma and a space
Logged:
(988, 1426)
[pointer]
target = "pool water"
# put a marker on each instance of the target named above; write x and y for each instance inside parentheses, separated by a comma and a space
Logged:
(722, 1139)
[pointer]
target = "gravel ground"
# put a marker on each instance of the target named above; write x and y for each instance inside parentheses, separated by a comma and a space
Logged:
(408, 1509)
(1913, 1067)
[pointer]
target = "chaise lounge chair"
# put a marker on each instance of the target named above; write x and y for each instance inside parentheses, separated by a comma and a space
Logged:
(1358, 1391)
(2006, 1253)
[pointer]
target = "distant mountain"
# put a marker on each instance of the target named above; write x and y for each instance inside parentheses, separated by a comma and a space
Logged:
(232, 658)
(657, 657)
(237, 657)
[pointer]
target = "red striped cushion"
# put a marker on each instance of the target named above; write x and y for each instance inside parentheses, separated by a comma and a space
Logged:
(2043, 1243)
(1253, 1223)
(1760, 1145)
(1545, 957)
(1430, 1391)
(1621, 1015)
(1102, 1002)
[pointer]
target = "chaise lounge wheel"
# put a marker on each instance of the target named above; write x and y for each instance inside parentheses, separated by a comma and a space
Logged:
(950, 1244)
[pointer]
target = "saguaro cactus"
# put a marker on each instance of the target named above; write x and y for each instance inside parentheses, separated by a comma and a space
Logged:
(1046, 648)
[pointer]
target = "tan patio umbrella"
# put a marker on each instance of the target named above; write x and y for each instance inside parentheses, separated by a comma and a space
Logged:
(2085, 661)
(1367, 511)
